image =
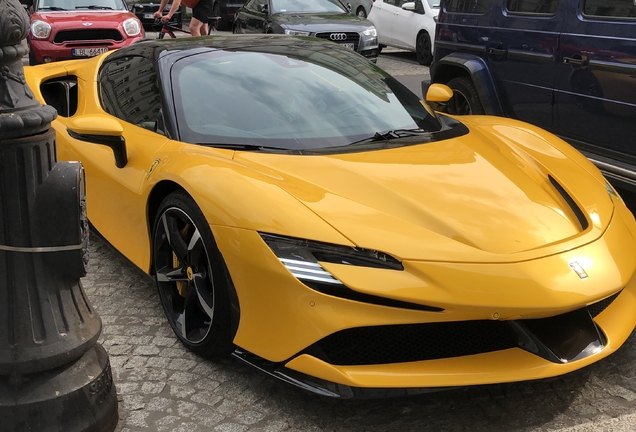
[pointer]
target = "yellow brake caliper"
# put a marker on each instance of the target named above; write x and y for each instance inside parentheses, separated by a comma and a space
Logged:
(182, 286)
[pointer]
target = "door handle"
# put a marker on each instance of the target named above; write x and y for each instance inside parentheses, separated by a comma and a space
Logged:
(576, 60)
(497, 51)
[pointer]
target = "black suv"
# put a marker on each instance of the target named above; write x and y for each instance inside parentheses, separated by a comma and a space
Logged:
(568, 66)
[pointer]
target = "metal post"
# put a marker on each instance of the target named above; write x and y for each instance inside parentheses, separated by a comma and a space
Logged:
(53, 374)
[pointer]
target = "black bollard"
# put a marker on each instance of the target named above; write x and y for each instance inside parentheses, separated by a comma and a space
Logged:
(54, 376)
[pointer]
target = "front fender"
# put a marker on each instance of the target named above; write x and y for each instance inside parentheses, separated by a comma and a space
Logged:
(473, 66)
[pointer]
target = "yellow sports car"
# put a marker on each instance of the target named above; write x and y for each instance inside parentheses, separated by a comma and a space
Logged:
(301, 209)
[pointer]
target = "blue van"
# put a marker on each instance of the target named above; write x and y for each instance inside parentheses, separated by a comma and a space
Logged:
(568, 66)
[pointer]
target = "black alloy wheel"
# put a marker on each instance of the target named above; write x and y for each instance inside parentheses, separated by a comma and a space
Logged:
(221, 23)
(465, 99)
(191, 277)
(423, 49)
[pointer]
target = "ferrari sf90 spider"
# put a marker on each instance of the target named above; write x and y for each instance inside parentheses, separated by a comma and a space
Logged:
(303, 211)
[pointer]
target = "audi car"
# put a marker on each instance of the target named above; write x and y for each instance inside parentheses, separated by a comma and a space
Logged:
(324, 19)
(327, 226)
(72, 29)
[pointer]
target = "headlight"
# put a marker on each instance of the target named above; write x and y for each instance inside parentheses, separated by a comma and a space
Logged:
(40, 29)
(296, 32)
(370, 32)
(132, 27)
(307, 253)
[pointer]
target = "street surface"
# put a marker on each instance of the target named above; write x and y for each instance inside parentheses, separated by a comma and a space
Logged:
(163, 387)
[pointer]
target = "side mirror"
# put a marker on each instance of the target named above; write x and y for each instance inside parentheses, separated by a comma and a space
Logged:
(101, 130)
(137, 7)
(349, 7)
(438, 93)
(409, 6)
(263, 8)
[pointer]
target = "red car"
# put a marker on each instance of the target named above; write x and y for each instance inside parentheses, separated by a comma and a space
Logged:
(68, 29)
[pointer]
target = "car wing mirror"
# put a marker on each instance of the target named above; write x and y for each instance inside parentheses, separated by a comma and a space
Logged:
(137, 7)
(437, 95)
(409, 6)
(263, 8)
(351, 8)
(100, 130)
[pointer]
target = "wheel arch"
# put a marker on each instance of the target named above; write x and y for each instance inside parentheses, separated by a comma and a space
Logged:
(474, 67)
(158, 193)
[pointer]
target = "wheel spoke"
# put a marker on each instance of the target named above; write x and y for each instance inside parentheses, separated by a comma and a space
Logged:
(204, 294)
(169, 274)
(196, 250)
(174, 237)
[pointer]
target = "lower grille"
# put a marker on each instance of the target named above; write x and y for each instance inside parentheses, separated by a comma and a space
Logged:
(430, 341)
(413, 342)
(88, 35)
(341, 37)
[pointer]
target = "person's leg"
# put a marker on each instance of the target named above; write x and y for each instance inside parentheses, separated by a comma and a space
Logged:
(199, 21)
(195, 27)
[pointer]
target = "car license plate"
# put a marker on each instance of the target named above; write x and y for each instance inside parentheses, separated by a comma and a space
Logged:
(349, 45)
(87, 52)
(149, 16)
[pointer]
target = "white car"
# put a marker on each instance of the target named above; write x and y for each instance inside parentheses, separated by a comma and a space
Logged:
(409, 25)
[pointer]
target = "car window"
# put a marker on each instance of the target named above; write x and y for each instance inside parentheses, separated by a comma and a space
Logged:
(534, 7)
(610, 8)
(80, 4)
(253, 4)
(307, 6)
(393, 2)
(128, 90)
(468, 6)
(282, 101)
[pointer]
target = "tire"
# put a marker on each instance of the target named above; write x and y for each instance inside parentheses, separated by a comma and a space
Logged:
(192, 279)
(236, 29)
(361, 12)
(216, 11)
(465, 98)
(423, 50)
(380, 48)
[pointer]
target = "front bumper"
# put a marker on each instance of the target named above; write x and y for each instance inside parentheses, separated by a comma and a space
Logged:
(46, 51)
(286, 327)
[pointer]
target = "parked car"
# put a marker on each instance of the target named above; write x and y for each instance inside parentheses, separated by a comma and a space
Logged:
(567, 66)
(360, 7)
(325, 225)
(146, 14)
(324, 19)
(226, 9)
(70, 29)
(407, 25)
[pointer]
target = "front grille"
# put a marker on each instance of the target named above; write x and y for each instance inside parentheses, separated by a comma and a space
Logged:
(88, 35)
(598, 307)
(351, 37)
(150, 8)
(413, 342)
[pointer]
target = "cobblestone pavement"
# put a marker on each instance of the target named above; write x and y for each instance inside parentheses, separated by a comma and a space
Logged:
(163, 387)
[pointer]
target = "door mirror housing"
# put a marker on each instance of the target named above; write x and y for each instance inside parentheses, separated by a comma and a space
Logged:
(102, 130)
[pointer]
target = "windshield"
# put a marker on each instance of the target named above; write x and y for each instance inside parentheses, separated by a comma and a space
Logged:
(328, 98)
(80, 4)
(307, 6)
(434, 3)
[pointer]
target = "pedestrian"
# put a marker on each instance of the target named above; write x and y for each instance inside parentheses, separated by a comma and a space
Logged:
(201, 10)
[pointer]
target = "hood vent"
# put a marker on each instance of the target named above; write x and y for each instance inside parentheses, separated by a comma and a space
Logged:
(568, 199)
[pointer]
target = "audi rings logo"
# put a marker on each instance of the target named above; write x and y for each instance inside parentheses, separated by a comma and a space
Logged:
(338, 36)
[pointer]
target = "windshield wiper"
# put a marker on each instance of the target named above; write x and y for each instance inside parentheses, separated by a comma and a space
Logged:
(93, 7)
(246, 147)
(392, 135)
(53, 8)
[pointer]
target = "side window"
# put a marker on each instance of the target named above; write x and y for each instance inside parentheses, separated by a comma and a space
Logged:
(535, 7)
(468, 6)
(393, 2)
(129, 91)
(253, 5)
(610, 8)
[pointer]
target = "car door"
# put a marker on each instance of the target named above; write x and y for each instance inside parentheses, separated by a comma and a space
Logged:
(404, 25)
(521, 48)
(253, 16)
(115, 207)
(596, 79)
(382, 18)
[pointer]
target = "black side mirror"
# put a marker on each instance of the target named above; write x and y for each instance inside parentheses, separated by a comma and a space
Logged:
(263, 8)
(137, 7)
